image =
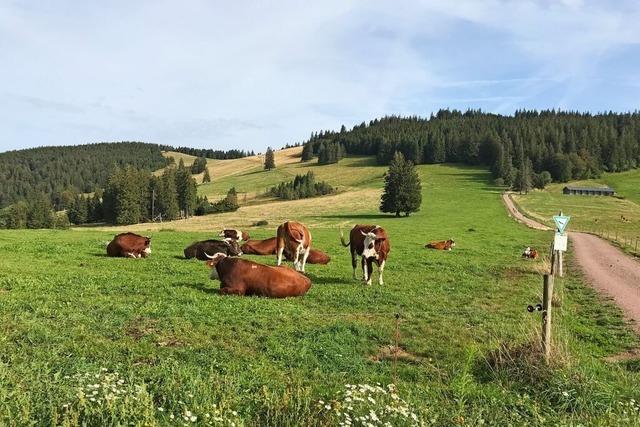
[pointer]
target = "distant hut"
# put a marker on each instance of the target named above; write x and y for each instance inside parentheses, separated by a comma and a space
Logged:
(588, 191)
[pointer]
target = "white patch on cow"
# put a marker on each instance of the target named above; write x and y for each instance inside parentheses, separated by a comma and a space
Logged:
(131, 254)
(238, 235)
(147, 251)
(369, 250)
(254, 266)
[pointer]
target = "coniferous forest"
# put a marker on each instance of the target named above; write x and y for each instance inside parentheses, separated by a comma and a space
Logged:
(527, 147)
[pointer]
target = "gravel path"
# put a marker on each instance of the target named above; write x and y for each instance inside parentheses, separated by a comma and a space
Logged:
(606, 267)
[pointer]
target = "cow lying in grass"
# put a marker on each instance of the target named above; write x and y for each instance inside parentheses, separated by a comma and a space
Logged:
(199, 250)
(268, 247)
(530, 253)
(129, 245)
(243, 277)
(444, 245)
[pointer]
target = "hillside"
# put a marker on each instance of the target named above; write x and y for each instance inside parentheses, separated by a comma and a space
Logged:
(80, 168)
(464, 331)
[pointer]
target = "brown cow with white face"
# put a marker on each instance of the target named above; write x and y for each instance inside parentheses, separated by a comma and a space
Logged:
(372, 244)
(296, 239)
(268, 247)
(129, 245)
(230, 233)
(243, 277)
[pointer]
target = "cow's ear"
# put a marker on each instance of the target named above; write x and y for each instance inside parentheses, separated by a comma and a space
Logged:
(381, 239)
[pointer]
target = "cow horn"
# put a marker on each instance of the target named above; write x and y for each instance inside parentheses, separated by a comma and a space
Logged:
(363, 233)
(209, 256)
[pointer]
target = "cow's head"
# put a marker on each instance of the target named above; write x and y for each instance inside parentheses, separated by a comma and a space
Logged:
(451, 242)
(147, 245)
(213, 262)
(371, 244)
(234, 234)
(234, 247)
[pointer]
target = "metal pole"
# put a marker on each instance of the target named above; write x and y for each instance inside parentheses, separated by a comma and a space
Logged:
(547, 296)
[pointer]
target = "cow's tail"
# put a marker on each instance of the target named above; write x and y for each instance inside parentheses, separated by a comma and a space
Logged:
(345, 244)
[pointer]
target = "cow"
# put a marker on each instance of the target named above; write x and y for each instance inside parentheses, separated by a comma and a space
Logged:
(530, 253)
(268, 247)
(199, 250)
(371, 243)
(243, 277)
(229, 233)
(129, 245)
(295, 238)
(260, 247)
(444, 245)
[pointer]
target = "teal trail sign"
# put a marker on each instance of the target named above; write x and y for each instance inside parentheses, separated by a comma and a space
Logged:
(561, 222)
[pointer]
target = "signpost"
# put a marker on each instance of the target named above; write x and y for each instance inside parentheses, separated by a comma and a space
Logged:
(560, 239)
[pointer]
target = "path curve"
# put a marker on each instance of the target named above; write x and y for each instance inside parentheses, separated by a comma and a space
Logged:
(607, 268)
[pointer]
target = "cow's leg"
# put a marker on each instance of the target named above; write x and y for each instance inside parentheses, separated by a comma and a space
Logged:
(232, 291)
(365, 273)
(296, 259)
(304, 257)
(279, 252)
(380, 270)
(370, 270)
(354, 264)
(131, 255)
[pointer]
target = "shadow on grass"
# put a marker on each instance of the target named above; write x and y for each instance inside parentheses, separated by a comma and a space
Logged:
(198, 287)
(100, 255)
(324, 280)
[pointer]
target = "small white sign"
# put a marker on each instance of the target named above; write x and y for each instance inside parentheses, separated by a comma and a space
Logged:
(560, 242)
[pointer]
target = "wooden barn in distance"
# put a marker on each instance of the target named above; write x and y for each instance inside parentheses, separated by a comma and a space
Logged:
(588, 191)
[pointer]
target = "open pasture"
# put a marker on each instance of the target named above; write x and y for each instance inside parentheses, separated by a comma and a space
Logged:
(609, 217)
(182, 351)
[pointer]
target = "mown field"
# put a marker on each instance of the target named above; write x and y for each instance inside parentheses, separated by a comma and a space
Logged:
(615, 218)
(152, 343)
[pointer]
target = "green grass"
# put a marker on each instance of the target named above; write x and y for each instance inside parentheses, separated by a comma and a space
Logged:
(67, 309)
(348, 173)
(615, 218)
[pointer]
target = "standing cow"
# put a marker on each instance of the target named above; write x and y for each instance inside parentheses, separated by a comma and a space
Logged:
(296, 239)
(243, 277)
(230, 233)
(129, 245)
(200, 249)
(372, 244)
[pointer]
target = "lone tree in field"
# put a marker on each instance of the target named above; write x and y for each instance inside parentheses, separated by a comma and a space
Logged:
(269, 160)
(206, 177)
(402, 188)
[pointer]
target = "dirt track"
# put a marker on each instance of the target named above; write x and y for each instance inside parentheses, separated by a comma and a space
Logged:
(606, 267)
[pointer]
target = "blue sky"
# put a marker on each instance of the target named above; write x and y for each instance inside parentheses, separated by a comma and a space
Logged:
(251, 74)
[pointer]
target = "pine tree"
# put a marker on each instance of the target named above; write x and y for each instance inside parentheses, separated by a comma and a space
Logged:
(307, 152)
(269, 159)
(167, 199)
(40, 212)
(206, 177)
(402, 187)
(187, 191)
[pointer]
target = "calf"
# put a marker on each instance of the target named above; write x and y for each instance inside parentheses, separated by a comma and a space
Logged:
(243, 277)
(444, 245)
(129, 245)
(200, 249)
(530, 253)
(372, 244)
(229, 233)
(268, 247)
(295, 238)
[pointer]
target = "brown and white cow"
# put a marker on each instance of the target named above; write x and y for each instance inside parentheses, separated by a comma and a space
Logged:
(199, 250)
(230, 233)
(530, 253)
(444, 245)
(268, 247)
(243, 277)
(295, 238)
(129, 245)
(372, 244)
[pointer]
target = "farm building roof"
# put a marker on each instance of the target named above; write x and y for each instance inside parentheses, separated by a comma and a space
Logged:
(571, 187)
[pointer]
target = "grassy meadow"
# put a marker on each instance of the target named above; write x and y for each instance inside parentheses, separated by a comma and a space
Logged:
(615, 218)
(92, 340)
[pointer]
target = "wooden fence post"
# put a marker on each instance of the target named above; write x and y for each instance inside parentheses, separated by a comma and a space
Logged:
(547, 296)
